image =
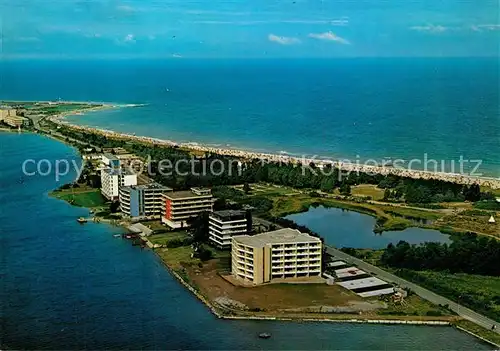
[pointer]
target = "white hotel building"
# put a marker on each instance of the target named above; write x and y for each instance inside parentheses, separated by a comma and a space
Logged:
(112, 179)
(284, 254)
(179, 206)
(222, 225)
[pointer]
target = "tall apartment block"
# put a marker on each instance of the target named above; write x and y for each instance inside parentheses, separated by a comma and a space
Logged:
(225, 224)
(278, 255)
(142, 201)
(179, 206)
(113, 179)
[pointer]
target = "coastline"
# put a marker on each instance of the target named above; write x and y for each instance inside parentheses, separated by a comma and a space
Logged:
(342, 319)
(224, 313)
(491, 182)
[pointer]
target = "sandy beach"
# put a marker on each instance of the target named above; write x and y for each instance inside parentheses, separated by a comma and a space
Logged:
(465, 179)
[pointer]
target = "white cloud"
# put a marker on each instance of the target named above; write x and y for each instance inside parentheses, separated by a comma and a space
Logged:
(125, 8)
(128, 39)
(430, 28)
(283, 40)
(329, 36)
(487, 27)
(344, 21)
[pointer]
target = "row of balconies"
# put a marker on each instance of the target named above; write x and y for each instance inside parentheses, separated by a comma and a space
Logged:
(228, 232)
(193, 210)
(303, 270)
(226, 225)
(301, 264)
(296, 245)
(229, 223)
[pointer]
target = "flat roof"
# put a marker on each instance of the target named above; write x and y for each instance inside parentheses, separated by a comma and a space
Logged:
(229, 213)
(280, 236)
(184, 194)
(336, 264)
(110, 156)
(362, 283)
(151, 186)
(377, 292)
(118, 171)
(349, 272)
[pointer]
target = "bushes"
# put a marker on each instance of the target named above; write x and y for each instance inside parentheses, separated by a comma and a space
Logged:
(491, 205)
(172, 244)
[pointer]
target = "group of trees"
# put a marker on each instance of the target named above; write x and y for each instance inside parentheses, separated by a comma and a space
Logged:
(214, 170)
(468, 253)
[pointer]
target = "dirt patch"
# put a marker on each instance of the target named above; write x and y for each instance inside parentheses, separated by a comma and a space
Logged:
(273, 297)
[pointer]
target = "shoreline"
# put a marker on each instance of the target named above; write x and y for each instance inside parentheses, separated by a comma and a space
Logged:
(219, 313)
(490, 182)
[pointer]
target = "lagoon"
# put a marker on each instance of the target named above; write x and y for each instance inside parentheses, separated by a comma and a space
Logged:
(343, 228)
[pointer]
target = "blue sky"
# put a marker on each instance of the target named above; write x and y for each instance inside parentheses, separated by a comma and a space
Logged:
(256, 28)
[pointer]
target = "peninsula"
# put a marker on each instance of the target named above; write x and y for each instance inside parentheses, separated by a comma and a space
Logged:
(206, 270)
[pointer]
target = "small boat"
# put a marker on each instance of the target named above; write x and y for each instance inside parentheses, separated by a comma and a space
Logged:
(117, 236)
(264, 335)
(81, 220)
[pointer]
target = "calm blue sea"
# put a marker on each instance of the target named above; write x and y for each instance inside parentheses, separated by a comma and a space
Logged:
(69, 286)
(338, 108)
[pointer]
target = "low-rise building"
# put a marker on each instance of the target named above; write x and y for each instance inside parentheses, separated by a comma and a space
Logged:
(142, 201)
(11, 118)
(110, 160)
(112, 179)
(222, 225)
(179, 206)
(283, 254)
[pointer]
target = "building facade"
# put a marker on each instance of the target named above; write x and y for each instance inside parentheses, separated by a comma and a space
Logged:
(222, 225)
(10, 117)
(113, 179)
(142, 201)
(278, 255)
(110, 160)
(179, 206)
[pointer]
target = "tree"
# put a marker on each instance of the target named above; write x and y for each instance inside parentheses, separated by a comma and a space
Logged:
(345, 189)
(387, 194)
(246, 188)
(114, 206)
(199, 227)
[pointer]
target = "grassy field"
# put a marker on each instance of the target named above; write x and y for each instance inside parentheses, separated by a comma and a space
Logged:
(480, 293)
(178, 257)
(368, 190)
(164, 238)
(476, 329)
(90, 198)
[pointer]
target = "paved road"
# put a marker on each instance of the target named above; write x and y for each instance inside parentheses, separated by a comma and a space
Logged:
(424, 293)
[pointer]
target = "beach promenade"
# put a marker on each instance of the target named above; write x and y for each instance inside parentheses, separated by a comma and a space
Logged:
(344, 167)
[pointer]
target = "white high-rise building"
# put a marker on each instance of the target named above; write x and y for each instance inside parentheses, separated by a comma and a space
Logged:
(222, 225)
(114, 178)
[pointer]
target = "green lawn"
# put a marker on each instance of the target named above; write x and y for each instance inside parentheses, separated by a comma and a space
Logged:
(368, 190)
(175, 257)
(164, 238)
(480, 293)
(89, 198)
